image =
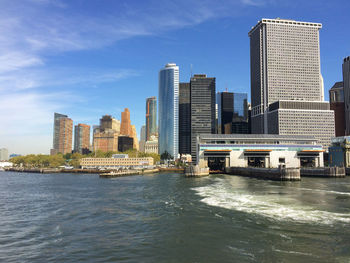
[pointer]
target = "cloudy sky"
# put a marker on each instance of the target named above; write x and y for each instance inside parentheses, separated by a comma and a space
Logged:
(87, 58)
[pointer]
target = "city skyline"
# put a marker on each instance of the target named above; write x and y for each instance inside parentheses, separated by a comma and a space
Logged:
(71, 72)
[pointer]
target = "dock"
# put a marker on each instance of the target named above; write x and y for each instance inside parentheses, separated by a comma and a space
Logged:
(114, 174)
(277, 174)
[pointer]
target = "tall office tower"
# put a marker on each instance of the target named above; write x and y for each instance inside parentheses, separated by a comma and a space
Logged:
(125, 127)
(168, 110)
(82, 138)
(151, 117)
(232, 113)
(224, 101)
(135, 139)
(4, 154)
(285, 67)
(62, 134)
(142, 138)
(105, 136)
(336, 100)
(202, 109)
(346, 85)
(184, 118)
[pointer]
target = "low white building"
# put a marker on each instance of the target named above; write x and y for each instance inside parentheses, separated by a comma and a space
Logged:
(5, 164)
(258, 150)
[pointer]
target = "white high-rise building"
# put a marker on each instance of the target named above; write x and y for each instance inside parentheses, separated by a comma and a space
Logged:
(286, 82)
(4, 154)
(168, 110)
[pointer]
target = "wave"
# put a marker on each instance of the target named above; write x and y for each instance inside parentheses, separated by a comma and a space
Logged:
(223, 194)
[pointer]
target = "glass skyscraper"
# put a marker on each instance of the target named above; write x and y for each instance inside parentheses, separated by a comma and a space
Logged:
(151, 117)
(168, 110)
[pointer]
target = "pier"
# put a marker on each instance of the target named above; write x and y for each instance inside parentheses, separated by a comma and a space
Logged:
(277, 174)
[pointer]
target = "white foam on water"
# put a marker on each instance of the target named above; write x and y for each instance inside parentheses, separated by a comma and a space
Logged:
(223, 194)
(325, 191)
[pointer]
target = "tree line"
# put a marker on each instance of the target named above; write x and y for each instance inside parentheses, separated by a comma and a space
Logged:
(72, 159)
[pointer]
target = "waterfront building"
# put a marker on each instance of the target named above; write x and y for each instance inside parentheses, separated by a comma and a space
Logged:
(151, 117)
(125, 143)
(184, 118)
(105, 136)
(142, 138)
(339, 152)
(62, 134)
(258, 150)
(151, 146)
(82, 138)
(4, 154)
(115, 163)
(168, 110)
(285, 67)
(202, 108)
(346, 85)
(336, 100)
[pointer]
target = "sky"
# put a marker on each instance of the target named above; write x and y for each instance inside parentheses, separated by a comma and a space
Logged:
(86, 58)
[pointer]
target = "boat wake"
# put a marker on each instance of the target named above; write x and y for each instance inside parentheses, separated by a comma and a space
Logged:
(223, 194)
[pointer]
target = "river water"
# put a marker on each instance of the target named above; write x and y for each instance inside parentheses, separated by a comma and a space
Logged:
(169, 218)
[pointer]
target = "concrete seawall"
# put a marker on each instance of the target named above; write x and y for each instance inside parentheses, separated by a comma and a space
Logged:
(323, 172)
(278, 174)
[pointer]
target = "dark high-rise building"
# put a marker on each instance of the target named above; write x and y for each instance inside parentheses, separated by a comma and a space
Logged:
(232, 113)
(151, 117)
(346, 85)
(202, 109)
(125, 143)
(82, 138)
(184, 118)
(225, 112)
(336, 100)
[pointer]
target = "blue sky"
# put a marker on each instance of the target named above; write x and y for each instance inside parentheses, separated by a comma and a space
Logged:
(90, 58)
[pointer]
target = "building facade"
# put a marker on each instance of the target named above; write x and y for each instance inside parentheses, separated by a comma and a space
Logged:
(202, 108)
(62, 134)
(125, 126)
(151, 117)
(336, 100)
(258, 150)
(232, 113)
(105, 136)
(82, 138)
(125, 143)
(151, 146)
(4, 154)
(339, 152)
(168, 110)
(184, 118)
(115, 163)
(346, 85)
(285, 66)
(142, 138)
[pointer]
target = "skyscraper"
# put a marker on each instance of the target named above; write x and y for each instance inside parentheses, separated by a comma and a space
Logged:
(142, 138)
(286, 82)
(125, 127)
(62, 134)
(184, 118)
(202, 109)
(105, 137)
(232, 112)
(336, 100)
(82, 138)
(151, 117)
(168, 110)
(346, 85)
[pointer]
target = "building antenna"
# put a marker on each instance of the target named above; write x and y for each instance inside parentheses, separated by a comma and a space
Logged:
(226, 88)
(191, 70)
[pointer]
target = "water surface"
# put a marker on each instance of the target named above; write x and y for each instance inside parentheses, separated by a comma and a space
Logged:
(169, 218)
